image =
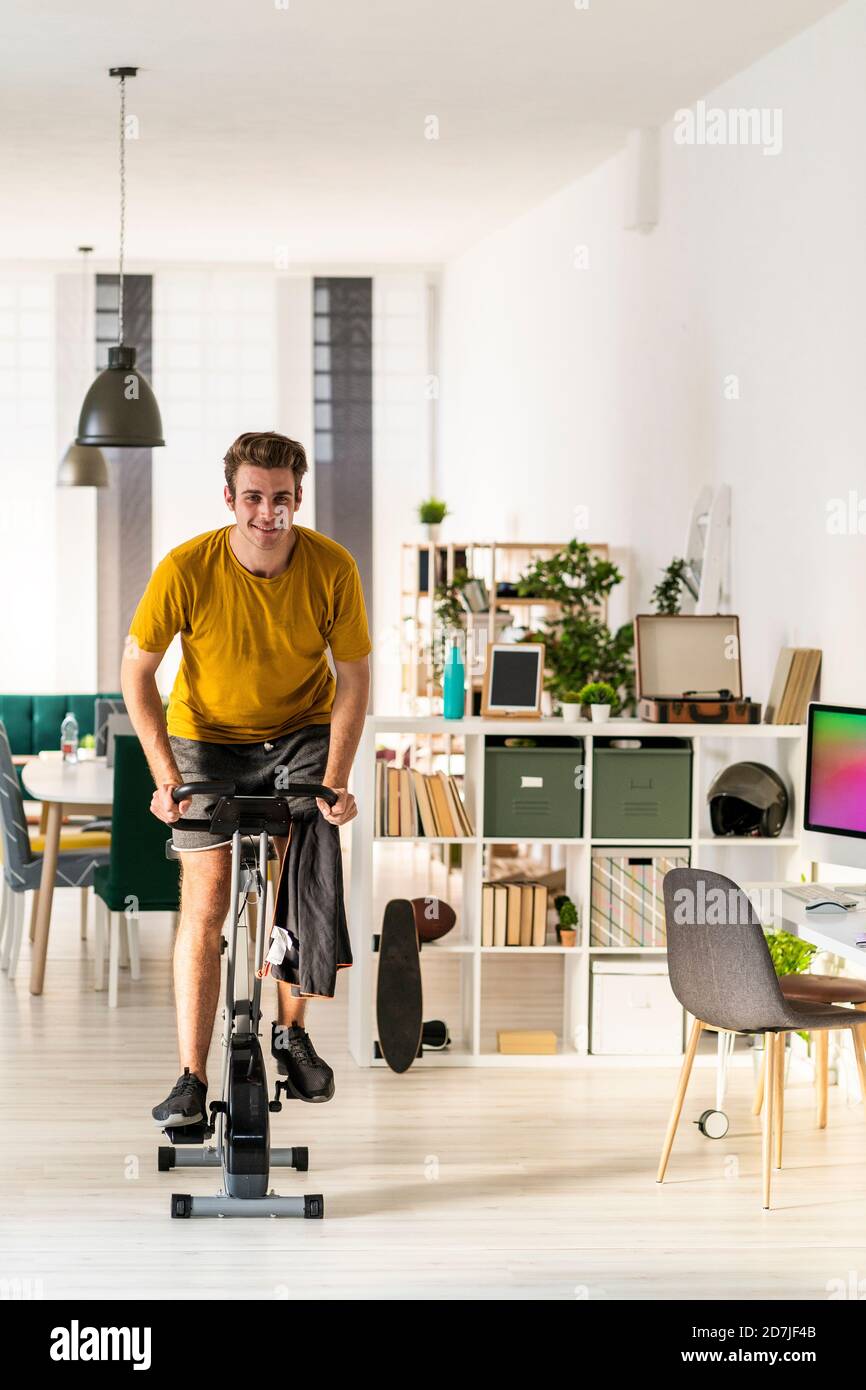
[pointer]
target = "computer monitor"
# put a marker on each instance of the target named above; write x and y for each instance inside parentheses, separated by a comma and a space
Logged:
(834, 811)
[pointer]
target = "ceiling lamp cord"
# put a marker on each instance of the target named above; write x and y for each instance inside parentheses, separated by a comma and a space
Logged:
(122, 202)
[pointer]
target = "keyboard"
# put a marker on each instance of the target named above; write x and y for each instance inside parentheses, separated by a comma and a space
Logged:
(813, 893)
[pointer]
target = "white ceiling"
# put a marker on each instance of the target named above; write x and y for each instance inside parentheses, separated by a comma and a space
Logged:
(303, 128)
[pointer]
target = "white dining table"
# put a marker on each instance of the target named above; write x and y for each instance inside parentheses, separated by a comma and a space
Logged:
(82, 787)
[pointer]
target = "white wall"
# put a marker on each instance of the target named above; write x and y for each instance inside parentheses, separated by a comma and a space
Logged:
(605, 386)
(215, 371)
(402, 458)
(28, 469)
(75, 597)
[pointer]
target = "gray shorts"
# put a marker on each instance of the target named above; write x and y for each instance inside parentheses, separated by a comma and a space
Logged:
(257, 769)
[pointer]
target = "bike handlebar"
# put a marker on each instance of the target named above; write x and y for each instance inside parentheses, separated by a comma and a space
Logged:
(188, 789)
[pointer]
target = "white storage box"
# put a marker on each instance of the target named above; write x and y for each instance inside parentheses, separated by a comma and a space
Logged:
(634, 1010)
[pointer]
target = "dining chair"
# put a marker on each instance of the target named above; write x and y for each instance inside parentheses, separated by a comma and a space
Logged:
(721, 971)
(138, 877)
(78, 858)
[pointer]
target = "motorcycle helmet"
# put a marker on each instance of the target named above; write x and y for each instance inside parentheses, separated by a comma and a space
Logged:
(748, 799)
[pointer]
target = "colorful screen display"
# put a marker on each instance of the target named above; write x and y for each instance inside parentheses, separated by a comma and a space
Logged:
(836, 788)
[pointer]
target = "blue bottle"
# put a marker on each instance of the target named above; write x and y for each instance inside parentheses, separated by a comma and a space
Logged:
(454, 684)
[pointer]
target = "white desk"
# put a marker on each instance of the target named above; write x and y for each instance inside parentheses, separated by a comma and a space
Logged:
(833, 932)
(84, 786)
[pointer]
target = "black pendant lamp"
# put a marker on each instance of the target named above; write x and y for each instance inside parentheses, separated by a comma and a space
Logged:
(120, 409)
(83, 465)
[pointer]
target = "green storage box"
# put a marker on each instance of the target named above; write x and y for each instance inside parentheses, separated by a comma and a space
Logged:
(642, 793)
(534, 793)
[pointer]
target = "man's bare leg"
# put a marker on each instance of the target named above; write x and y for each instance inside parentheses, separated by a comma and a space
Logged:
(289, 1009)
(205, 893)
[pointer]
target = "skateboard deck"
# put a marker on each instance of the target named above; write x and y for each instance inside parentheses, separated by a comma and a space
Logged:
(399, 1001)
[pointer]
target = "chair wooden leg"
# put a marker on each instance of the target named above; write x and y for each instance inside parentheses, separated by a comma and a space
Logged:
(19, 910)
(779, 1099)
(100, 922)
(822, 1055)
(114, 934)
(676, 1109)
(122, 952)
(83, 933)
(769, 1107)
(131, 924)
(5, 923)
(758, 1102)
(33, 911)
(860, 1054)
(11, 911)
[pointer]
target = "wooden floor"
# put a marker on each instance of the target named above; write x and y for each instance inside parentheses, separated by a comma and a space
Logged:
(438, 1184)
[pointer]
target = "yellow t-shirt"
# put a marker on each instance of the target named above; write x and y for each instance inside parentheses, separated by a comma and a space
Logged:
(254, 665)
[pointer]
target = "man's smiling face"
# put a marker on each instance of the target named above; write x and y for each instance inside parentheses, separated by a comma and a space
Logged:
(264, 504)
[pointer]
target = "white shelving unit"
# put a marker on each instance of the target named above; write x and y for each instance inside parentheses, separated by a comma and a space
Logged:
(491, 561)
(713, 746)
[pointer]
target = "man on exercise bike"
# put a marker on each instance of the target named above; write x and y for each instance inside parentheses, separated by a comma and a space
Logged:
(254, 703)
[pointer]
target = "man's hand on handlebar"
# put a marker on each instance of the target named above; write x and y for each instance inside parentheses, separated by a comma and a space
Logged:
(164, 808)
(344, 808)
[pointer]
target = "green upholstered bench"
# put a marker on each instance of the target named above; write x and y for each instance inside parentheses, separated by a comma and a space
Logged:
(33, 721)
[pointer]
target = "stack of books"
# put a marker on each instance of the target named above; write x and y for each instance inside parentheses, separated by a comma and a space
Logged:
(513, 913)
(793, 683)
(415, 804)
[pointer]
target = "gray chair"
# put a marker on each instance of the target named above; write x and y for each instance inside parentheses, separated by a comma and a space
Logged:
(721, 971)
(22, 868)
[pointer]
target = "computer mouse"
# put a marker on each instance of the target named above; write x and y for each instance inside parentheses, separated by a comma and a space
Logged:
(825, 907)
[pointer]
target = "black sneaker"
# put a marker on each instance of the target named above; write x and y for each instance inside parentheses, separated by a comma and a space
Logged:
(187, 1103)
(308, 1076)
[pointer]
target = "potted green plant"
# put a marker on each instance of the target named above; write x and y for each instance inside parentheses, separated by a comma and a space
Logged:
(566, 930)
(578, 644)
(449, 619)
(601, 698)
(668, 593)
(432, 513)
(572, 706)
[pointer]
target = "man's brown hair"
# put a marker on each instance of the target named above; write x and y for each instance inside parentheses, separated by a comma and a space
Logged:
(265, 449)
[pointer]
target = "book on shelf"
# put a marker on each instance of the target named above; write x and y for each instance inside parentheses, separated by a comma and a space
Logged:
(440, 807)
(413, 804)
(392, 803)
(425, 809)
(408, 809)
(513, 913)
(793, 685)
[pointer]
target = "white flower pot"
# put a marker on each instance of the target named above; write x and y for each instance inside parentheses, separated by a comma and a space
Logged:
(433, 533)
(600, 713)
(571, 712)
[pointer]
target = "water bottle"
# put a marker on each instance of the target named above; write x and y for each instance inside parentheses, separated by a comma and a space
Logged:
(69, 739)
(454, 684)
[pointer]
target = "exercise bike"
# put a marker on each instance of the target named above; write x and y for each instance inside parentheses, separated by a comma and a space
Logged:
(239, 1121)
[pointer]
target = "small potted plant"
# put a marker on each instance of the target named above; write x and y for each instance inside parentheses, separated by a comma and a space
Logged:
(572, 706)
(432, 513)
(566, 930)
(601, 699)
